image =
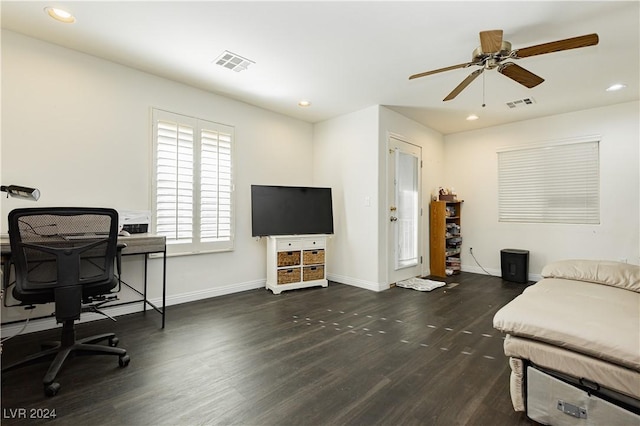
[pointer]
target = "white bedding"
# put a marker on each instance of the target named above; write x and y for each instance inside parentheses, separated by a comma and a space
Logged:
(598, 320)
(582, 320)
(616, 274)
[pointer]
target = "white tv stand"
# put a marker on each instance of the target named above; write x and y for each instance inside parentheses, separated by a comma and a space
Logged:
(296, 261)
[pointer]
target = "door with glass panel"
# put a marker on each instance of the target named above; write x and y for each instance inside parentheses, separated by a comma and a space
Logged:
(404, 210)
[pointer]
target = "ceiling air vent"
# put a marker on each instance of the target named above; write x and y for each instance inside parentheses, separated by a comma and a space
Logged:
(233, 62)
(521, 102)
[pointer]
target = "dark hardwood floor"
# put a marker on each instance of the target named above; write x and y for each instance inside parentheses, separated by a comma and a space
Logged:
(320, 356)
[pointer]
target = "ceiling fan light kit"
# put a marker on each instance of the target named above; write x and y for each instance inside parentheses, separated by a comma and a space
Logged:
(494, 51)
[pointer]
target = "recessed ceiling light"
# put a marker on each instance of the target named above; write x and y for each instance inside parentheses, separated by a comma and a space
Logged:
(60, 15)
(472, 117)
(617, 86)
(304, 103)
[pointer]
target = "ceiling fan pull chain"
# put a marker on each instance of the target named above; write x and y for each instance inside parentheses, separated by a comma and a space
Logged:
(483, 89)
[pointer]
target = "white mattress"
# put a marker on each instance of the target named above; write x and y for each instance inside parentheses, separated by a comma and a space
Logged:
(597, 320)
(610, 376)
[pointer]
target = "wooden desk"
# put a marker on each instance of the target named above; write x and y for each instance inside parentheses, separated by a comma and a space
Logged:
(137, 244)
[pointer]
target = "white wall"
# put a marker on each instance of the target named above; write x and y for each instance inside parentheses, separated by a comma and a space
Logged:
(471, 167)
(350, 156)
(345, 158)
(78, 128)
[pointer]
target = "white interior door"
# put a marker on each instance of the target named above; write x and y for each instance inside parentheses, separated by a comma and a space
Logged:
(404, 212)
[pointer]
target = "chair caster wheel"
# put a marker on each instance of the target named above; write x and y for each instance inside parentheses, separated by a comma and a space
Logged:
(51, 389)
(113, 342)
(123, 361)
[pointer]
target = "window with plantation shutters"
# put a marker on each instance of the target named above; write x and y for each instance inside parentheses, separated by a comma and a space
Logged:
(193, 183)
(552, 183)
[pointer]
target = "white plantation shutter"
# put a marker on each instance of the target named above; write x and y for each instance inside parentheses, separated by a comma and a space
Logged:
(193, 185)
(553, 183)
(215, 186)
(174, 181)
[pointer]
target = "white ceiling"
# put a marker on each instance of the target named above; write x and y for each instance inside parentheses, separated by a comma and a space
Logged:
(345, 56)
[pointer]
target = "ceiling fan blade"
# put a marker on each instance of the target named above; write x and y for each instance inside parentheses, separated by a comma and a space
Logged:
(491, 41)
(452, 67)
(557, 46)
(467, 81)
(520, 75)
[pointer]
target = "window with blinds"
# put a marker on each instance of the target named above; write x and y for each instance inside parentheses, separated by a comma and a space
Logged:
(553, 183)
(193, 183)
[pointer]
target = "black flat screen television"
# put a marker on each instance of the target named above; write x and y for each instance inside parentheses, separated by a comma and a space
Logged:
(290, 210)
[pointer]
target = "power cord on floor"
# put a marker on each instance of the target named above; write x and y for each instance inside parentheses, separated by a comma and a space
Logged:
(24, 327)
(474, 258)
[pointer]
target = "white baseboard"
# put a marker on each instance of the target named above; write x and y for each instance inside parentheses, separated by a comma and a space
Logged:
(115, 311)
(479, 270)
(210, 292)
(367, 285)
(495, 272)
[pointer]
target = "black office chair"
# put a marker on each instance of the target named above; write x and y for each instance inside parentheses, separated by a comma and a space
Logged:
(66, 256)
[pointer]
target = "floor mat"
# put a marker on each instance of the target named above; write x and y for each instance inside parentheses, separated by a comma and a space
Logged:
(420, 284)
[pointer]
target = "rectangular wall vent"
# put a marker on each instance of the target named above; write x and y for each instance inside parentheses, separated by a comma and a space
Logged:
(521, 102)
(233, 61)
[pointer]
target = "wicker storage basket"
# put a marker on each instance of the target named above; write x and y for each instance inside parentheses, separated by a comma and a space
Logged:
(313, 257)
(287, 276)
(288, 258)
(311, 273)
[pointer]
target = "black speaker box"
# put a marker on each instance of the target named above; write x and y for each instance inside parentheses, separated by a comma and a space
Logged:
(515, 265)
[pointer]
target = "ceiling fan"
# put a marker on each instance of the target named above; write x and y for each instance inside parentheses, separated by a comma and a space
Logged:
(494, 51)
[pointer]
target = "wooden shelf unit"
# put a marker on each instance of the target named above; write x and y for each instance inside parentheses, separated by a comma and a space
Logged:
(296, 262)
(445, 238)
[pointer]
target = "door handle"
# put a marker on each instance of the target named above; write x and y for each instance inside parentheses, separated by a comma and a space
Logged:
(393, 219)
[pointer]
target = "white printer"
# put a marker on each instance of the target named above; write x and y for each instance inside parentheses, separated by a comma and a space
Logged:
(134, 221)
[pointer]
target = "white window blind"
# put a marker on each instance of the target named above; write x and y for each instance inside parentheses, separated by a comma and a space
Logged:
(193, 183)
(553, 183)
